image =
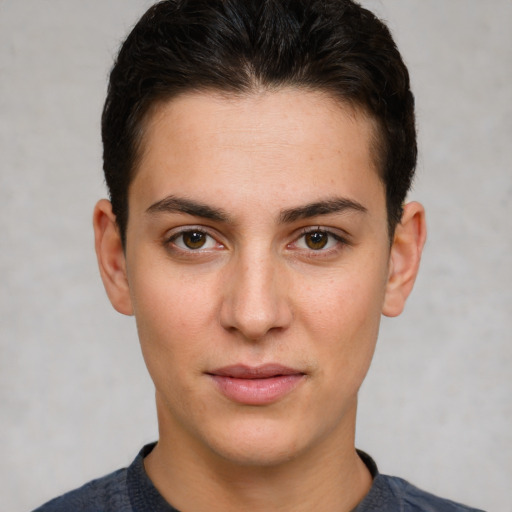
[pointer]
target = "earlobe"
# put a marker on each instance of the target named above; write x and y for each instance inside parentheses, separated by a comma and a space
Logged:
(111, 257)
(404, 261)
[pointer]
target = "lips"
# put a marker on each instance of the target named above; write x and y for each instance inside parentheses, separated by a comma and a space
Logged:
(256, 385)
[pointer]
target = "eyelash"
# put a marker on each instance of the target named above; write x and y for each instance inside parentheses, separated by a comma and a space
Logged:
(322, 252)
(170, 242)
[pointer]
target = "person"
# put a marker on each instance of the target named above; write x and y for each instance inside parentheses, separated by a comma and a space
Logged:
(258, 155)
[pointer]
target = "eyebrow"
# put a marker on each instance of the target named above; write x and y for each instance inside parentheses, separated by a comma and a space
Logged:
(174, 204)
(325, 207)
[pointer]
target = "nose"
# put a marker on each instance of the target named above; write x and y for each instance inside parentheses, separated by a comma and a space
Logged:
(255, 301)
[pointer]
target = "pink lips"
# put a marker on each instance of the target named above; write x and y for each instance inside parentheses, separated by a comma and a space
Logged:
(256, 385)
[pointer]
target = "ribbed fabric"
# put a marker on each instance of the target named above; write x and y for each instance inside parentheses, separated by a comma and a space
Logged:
(143, 494)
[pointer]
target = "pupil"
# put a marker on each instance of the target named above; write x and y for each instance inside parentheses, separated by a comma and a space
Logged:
(316, 240)
(194, 239)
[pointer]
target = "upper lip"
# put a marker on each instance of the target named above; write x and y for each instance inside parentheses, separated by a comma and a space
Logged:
(241, 371)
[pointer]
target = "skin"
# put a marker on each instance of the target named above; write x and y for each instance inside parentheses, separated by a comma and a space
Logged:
(236, 174)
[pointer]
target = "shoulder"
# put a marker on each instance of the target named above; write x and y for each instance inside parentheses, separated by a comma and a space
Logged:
(393, 494)
(108, 494)
(413, 499)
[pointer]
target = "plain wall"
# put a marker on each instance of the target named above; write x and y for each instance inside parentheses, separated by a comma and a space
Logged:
(75, 398)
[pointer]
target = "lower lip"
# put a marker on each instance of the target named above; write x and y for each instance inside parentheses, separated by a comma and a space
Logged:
(257, 391)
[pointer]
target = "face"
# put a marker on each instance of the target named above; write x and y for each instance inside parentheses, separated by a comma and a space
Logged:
(257, 266)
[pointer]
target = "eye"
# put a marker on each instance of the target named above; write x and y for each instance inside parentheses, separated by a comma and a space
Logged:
(192, 240)
(318, 240)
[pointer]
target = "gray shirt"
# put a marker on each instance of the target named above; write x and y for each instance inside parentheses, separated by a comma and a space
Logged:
(130, 490)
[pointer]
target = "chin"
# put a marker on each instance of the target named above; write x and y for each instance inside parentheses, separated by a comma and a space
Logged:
(256, 454)
(263, 444)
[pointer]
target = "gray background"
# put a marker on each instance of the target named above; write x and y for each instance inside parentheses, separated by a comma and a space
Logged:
(75, 398)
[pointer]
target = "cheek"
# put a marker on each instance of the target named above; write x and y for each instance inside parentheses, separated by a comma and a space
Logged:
(172, 316)
(344, 319)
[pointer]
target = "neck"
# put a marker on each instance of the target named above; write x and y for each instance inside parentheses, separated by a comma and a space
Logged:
(329, 476)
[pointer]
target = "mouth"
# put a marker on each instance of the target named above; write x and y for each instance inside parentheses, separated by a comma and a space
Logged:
(256, 385)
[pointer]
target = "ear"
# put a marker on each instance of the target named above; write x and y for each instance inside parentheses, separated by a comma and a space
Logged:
(404, 260)
(111, 257)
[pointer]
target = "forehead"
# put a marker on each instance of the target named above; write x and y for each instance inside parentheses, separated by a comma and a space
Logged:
(259, 143)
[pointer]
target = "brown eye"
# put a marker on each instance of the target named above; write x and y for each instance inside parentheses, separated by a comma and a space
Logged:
(316, 240)
(194, 239)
